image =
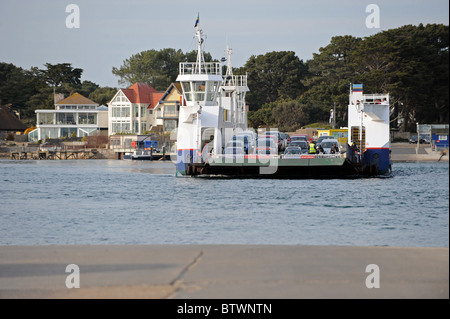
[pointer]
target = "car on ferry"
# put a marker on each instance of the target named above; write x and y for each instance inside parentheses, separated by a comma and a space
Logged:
(299, 137)
(292, 152)
(278, 139)
(234, 150)
(302, 144)
(328, 146)
(248, 144)
(323, 137)
(266, 145)
(286, 139)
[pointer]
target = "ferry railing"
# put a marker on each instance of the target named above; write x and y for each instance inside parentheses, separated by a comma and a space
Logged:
(189, 68)
(235, 80)
(376, 99)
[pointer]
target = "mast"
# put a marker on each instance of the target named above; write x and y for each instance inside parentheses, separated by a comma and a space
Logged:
(199, 34)
(229, 73)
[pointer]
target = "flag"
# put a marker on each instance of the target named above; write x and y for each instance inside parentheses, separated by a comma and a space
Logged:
(331, 116)
(196, 21)
(357, 87)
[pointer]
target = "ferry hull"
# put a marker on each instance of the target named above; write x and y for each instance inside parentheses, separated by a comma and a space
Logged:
(377, 161)
(279, 168)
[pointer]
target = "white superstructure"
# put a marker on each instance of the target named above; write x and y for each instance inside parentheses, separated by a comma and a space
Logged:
(368, 127)
(213, 108)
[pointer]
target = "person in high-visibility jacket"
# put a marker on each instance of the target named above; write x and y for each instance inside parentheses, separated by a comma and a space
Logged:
(312, 148)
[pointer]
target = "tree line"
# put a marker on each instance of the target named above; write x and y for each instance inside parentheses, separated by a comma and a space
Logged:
(410, 63)
(28, 90)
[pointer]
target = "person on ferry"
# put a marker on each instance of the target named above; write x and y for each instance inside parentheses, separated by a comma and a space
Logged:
(320, 149)
(312, 148)
(334, 149)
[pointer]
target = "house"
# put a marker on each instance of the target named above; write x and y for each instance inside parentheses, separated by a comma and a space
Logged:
(131, 110)
(165, 114)
(9, 122)
(73, 116)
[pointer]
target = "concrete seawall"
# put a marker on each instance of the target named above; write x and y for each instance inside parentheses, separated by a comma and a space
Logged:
(224, 271)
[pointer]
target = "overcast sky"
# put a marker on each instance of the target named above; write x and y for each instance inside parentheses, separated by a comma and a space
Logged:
(34, 32)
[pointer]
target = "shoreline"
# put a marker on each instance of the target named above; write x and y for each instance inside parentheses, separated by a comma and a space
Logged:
(224, 272)
(401, 153)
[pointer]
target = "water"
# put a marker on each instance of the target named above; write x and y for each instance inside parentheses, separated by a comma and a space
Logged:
(128, 202)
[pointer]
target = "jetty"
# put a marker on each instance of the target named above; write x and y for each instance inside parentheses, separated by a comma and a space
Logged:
(27, 154)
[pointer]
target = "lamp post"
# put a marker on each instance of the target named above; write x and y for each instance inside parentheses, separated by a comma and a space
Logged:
(418, 138)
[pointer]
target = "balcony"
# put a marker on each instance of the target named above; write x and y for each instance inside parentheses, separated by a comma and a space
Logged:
(171, 115)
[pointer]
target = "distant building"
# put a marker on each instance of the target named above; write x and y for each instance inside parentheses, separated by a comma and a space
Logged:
(131, 110)
(73, 116)
(166, 112)
(9, 122)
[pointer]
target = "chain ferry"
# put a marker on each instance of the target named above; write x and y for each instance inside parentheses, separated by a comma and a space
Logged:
(213, 119)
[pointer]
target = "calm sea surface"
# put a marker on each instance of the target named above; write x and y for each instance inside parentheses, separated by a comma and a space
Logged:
(129, 202)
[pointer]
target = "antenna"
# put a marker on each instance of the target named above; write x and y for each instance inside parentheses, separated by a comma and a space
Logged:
(229, 73)
(200, 40)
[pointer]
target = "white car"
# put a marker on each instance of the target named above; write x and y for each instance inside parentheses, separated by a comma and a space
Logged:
(328, 146)
(251, 138)
(266, 146)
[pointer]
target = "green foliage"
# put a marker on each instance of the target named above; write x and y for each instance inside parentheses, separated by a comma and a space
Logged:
(56, 74)
(411, 63)
(157, 68)
(272, 76)
(102, 95)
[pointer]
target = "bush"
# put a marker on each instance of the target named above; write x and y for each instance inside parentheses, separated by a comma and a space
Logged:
(10, 136)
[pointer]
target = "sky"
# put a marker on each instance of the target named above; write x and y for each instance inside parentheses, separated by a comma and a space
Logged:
(35, 32)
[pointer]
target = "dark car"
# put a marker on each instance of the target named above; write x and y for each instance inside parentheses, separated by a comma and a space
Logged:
(302, 144)
(423, 139)
(321, 138)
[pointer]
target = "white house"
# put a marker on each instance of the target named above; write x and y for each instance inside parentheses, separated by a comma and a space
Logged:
(131, 110)
(74, 116)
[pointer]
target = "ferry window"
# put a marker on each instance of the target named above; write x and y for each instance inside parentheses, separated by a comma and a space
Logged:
(200, 86)
(212, 88)
(186, 86)
(199, 96)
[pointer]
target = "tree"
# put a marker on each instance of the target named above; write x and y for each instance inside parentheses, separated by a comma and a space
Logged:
(411, 63)
(102, 95)
(157, 68)
(272, 76)
(16, 85)
(57, 74)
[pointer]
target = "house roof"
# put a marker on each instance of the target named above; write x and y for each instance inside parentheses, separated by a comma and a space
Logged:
(76, 99)
(9, 121)
(144, 94)
(174, 85)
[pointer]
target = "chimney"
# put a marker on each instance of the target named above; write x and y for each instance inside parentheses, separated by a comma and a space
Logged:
(58, 97)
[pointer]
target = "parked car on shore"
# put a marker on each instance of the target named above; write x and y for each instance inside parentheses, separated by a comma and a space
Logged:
(423, 139)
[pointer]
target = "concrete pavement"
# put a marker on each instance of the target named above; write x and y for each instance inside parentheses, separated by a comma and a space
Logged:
(405, 152)
(223, 271)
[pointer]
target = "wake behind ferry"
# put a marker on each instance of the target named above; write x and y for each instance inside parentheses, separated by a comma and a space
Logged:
(212, 131)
